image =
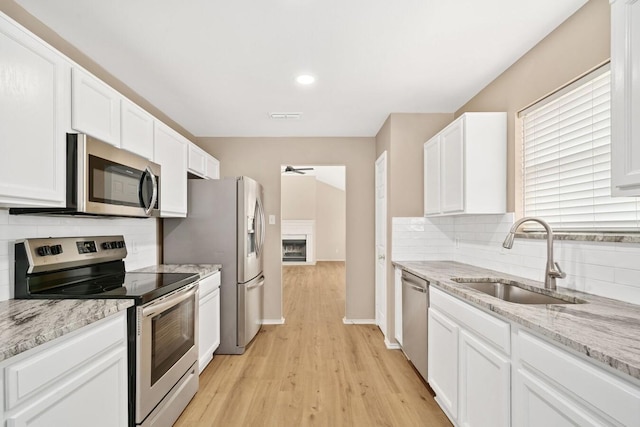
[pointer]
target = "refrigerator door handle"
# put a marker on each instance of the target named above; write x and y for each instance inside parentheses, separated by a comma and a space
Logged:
(262, 225)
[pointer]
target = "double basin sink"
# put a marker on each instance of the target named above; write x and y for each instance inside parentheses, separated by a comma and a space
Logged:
(514, 292)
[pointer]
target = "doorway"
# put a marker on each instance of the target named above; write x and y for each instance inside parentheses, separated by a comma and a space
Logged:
(313, 222)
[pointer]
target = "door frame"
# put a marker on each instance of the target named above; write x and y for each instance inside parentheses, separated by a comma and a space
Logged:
(381, 243)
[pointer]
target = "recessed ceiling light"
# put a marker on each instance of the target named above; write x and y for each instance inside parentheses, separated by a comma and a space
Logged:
(305, 79)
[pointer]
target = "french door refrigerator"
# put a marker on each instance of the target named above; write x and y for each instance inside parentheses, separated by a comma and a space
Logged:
(225, 225)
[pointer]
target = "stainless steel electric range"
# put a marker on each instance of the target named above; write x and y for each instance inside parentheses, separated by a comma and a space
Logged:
(163, 324)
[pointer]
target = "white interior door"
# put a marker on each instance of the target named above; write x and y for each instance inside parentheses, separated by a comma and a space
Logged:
(381, 243)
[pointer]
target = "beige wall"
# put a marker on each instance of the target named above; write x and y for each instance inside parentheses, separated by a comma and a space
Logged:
(298, 197)
(261, 159)
(402, 136)
(20, 15)
(330, 223)
(576, 46)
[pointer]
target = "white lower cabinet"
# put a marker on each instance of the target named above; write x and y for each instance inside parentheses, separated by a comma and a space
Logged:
(209, 319)
(443, 361)
(489, 372)
(76, 380)
(485, 384)
(469, 368)
(554, 387)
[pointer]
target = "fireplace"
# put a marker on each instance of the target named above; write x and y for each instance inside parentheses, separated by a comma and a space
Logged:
(294, 249)
(298, 244)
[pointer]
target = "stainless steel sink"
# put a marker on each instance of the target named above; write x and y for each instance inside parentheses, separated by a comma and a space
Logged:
(509, 291)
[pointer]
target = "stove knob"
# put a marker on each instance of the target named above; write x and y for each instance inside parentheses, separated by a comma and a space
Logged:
(56, 249)
(43, 250)
(106, 245)
(120, 244)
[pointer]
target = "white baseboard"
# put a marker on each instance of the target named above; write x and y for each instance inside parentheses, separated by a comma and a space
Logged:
(273, 321)
(358, 321)
(392, 346)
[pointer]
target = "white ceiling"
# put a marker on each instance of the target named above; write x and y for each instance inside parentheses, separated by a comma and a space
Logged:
(219, 67)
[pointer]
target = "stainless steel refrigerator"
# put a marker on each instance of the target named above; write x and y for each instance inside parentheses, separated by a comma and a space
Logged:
(225, 225)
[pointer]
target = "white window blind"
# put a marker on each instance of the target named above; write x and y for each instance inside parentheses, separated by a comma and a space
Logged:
(567, 160)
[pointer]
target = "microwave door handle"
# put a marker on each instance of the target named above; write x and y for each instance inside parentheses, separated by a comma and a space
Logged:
(174, 300)
(154, 194)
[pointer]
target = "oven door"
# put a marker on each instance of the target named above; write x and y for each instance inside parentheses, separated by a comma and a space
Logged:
(112, 181)
(166, 346)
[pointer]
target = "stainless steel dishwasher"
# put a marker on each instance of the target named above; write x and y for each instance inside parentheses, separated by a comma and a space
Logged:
(415, 301)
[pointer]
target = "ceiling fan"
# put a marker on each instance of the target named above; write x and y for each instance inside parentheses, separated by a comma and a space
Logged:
(296, 170)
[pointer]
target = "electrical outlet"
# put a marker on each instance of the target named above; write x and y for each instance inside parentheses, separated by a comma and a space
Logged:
(272, 219)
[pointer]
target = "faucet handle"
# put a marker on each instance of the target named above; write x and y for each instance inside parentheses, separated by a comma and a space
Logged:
(558, 273)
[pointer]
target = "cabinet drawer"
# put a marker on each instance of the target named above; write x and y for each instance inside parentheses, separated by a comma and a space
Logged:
(604, 391)
(492, 329)
(209, 284)
(25, 378)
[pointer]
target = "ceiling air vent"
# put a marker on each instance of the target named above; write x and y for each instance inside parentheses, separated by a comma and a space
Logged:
(285, 116)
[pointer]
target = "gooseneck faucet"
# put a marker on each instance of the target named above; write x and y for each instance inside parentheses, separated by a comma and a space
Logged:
(553, 270)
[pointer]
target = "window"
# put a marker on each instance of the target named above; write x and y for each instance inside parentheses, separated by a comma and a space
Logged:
(566, 160)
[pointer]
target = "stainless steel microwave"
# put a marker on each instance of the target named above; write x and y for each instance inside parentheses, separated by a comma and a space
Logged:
(105, 180)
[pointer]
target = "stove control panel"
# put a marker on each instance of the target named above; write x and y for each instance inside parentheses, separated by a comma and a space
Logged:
(56, 253)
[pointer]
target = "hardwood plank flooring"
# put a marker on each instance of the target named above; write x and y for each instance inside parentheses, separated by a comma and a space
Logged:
(313, 370)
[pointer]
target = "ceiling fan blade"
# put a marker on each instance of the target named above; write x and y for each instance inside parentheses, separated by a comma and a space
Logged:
(298, 171)
(304, 169)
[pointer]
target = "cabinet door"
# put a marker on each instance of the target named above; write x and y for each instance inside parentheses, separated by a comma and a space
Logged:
(452, 168)
(213, 168)
(197, 160)
(96, 395)
(170, 152)
(209, 327)
(136, 130)
(95, 108)
(432, 177)
(485, 384)
(625, 98)
(536, 403)
(443, 362)
(34, 118)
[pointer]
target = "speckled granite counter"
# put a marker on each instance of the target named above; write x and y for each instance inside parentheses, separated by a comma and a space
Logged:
(25, 324)
(203, 270)
(604, 329)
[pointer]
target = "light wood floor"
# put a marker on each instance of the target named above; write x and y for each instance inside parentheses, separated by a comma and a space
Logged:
(313, 370)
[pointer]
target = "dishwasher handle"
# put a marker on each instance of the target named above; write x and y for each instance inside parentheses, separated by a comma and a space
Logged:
(416, 288)
(415, 280)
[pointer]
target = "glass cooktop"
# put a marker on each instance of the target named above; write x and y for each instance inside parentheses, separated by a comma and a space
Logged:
(142, 287)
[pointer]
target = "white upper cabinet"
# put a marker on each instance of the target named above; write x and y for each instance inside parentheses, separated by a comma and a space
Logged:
(34, 119)
(136, 129)
(170, 151)
(95, 107)
(197, 160)
(465, 166)
(213, 168)
(625, 98)
(203, 164)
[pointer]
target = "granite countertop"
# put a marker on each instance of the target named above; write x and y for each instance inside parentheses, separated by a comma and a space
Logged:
(25, 324)
(203, 270)
(603, 329)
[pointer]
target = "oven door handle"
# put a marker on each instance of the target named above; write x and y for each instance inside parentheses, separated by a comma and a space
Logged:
(171, 301)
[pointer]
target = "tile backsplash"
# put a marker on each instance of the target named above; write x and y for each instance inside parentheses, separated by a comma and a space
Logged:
(608, 269)
(140, 235)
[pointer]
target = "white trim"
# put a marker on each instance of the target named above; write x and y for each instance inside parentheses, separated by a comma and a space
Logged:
(273, 321)
(392, 346)
(358, 321)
